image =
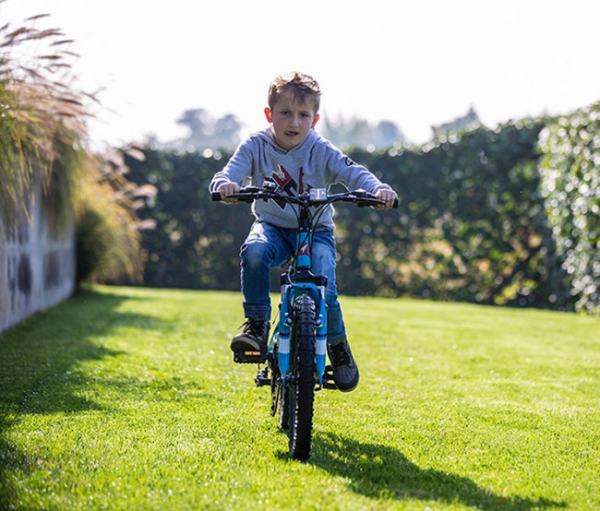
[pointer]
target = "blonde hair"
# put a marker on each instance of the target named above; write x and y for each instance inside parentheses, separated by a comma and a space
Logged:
(302, 86)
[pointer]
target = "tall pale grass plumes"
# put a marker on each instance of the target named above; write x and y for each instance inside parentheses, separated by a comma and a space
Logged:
(39, 107)
(43, 140)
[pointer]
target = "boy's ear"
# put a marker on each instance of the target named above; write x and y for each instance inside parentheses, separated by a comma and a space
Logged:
(268, 114)
(316, 120)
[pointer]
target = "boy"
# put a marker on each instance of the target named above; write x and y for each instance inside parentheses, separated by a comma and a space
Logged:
(296, 158)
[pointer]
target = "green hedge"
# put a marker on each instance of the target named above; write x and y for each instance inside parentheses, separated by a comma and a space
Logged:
(472, 224)
(195, 243)
(570, 172)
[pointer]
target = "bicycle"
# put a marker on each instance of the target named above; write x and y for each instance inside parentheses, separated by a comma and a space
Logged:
(296, 353)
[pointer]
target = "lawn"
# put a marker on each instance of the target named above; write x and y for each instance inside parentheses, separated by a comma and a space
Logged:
(127, 399)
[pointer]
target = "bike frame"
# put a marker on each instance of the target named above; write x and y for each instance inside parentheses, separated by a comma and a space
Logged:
(297, 281)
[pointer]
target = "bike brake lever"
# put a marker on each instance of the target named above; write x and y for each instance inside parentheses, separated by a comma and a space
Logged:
(366, 204)
(250, 189)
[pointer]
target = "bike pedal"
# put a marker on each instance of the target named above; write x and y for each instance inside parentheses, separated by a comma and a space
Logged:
(249, 357)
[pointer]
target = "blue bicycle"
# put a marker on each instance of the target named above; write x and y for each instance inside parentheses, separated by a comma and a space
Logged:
(296, 356)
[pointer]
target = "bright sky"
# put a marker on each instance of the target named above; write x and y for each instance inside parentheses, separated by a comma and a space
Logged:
(416, 63)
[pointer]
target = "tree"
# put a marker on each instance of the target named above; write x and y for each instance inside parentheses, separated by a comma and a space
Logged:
(462, 123)
(204, 131)
(357, 132)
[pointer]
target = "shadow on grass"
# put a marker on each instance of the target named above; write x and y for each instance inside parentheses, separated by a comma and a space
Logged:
(382, 472)
(39, 371)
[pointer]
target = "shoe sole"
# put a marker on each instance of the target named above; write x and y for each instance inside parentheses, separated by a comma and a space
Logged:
(348, 389)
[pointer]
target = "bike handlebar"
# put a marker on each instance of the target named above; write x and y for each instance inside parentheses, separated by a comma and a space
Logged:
(252, 193)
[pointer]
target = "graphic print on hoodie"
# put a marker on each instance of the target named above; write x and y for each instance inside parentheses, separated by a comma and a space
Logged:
(286, 184)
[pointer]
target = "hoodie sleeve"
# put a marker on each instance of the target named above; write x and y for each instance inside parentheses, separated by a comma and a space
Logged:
(342, 169)
(238, 167)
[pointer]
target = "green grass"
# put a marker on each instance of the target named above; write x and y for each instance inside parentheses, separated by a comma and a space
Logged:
(128, 399)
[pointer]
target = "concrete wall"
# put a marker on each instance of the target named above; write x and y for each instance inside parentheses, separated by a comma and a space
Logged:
(37, 262)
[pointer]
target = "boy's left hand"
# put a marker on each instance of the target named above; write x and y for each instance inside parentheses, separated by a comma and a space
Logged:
(389, 196)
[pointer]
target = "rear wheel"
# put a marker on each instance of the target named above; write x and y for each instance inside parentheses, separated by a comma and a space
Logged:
(279, 394)
(301, 388)
(284, 407)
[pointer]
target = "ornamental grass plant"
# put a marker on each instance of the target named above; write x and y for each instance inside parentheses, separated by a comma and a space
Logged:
(44, 143)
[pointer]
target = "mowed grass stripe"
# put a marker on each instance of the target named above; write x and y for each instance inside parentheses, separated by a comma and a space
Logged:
(127, 398)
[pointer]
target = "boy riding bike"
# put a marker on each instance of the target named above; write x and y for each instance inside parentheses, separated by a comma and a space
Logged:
(292, 155)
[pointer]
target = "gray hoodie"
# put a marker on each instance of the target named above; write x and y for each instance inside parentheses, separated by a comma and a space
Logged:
(315, 163)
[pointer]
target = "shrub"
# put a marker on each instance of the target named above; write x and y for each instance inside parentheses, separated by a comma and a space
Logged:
(43, 141)
(39, 111)
(108, 239)
(571, 187)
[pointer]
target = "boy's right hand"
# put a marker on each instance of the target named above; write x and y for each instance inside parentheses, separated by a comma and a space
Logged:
(227, 189)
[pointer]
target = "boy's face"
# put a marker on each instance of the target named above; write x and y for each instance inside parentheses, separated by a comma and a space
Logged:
(292, 119)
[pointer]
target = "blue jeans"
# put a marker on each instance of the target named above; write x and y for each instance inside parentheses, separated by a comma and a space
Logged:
(268, 246)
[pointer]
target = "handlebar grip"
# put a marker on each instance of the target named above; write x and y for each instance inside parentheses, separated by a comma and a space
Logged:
(215, 196)
(395, 205)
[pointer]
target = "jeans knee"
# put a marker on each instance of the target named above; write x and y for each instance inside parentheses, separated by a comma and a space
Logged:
(255, 256)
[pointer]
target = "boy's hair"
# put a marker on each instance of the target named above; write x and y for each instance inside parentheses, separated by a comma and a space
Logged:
(302, 86)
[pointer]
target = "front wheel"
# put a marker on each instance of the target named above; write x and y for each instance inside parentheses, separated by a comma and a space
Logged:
(302, 384)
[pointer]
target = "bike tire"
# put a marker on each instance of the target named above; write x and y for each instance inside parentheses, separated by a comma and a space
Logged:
(284, 407)
(302, 387)
(279, 395)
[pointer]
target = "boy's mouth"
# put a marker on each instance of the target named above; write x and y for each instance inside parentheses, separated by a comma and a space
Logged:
(290, 133)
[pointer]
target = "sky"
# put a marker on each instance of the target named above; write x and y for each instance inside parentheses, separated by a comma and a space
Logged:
(417, 63)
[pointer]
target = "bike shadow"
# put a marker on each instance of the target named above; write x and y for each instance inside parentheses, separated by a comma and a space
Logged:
(40, 367)
(382, 472)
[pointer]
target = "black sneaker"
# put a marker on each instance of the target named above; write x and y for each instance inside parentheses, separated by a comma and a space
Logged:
(254, 338)
(345, 372)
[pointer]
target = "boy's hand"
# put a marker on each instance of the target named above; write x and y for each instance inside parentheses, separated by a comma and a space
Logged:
(389, 196)
(227, 189)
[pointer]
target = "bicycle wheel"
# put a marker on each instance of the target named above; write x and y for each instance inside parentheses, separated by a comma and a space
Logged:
(279, 394)
(302, 386)
(284, 407)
